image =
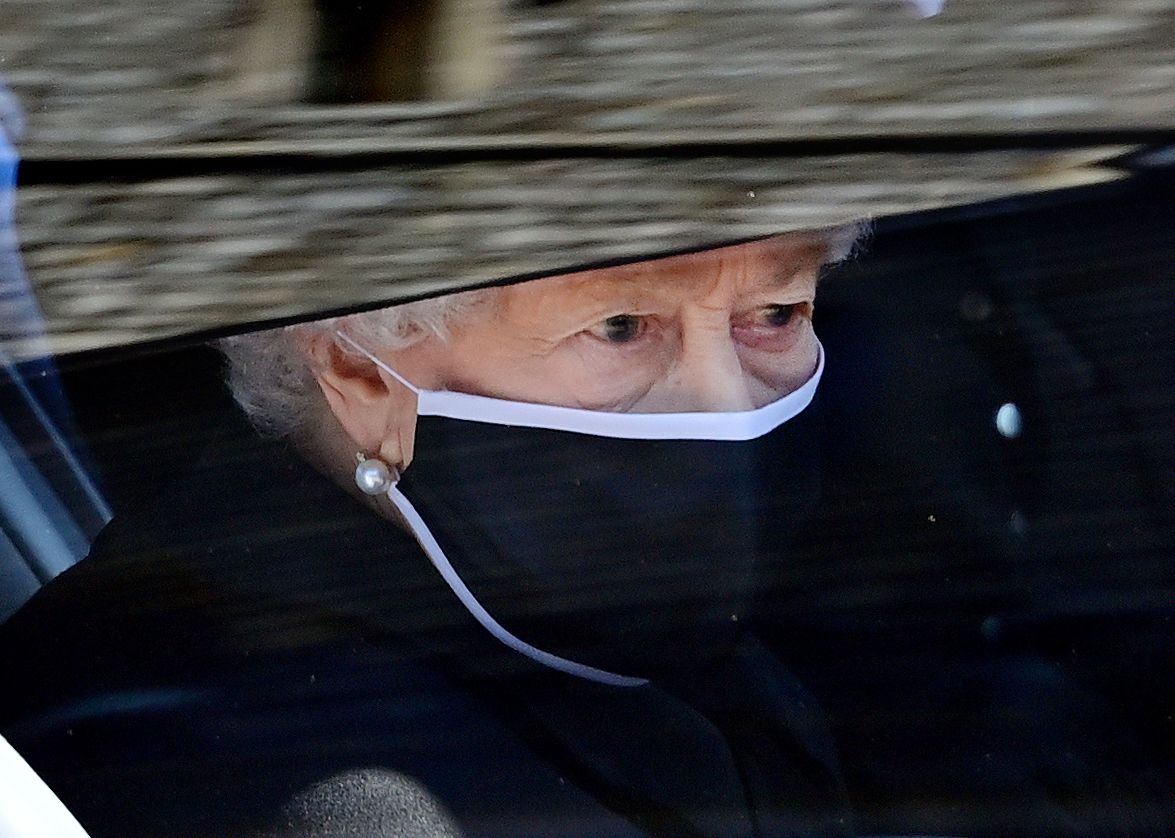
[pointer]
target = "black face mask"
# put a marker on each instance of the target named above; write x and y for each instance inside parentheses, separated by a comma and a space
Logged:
(636, 557)
(616, 547)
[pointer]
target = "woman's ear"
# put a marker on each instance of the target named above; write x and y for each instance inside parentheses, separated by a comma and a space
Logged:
(377, 412)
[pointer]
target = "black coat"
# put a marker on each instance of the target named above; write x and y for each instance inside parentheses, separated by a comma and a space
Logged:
(256, 631)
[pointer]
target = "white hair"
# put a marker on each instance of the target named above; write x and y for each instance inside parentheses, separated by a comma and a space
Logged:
(270, 374)
(271, 377)
(846, 241)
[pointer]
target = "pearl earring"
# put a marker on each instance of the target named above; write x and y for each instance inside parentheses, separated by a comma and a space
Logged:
(373, 476)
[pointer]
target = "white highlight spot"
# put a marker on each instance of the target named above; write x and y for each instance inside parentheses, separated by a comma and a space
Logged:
(928, 8)
(1008, 421)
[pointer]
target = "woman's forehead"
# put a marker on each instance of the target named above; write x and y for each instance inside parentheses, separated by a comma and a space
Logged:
(749, 266)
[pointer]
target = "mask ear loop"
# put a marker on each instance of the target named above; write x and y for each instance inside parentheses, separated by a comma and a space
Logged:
(348, 340)
(436, 555)
(373, 474)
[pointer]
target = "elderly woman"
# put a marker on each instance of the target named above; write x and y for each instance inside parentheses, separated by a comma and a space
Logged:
(574, 384)
(537, 618)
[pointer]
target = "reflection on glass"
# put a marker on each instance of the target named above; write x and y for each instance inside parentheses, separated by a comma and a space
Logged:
(383, 51)
(50, 507)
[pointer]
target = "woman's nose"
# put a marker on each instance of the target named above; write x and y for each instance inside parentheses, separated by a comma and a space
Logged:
(709, 374)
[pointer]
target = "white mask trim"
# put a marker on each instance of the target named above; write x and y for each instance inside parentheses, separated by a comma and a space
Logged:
(436, 555)
(731, 426)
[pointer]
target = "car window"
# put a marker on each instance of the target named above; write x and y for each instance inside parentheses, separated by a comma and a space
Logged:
(589, 418)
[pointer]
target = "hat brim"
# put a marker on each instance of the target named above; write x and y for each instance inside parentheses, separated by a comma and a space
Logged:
(124, 263)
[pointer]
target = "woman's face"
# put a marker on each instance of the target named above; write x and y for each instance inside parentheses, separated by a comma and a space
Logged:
(722, 330)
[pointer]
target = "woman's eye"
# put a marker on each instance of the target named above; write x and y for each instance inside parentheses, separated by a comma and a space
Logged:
(779, 315)
(621, 328)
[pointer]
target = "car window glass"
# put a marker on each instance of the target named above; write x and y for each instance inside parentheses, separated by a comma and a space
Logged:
(615, 418)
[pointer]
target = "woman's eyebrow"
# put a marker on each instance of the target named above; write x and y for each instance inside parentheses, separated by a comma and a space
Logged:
(788, 274)
(791, 253)
(593, 287)
(567, 302)
(787, 268)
